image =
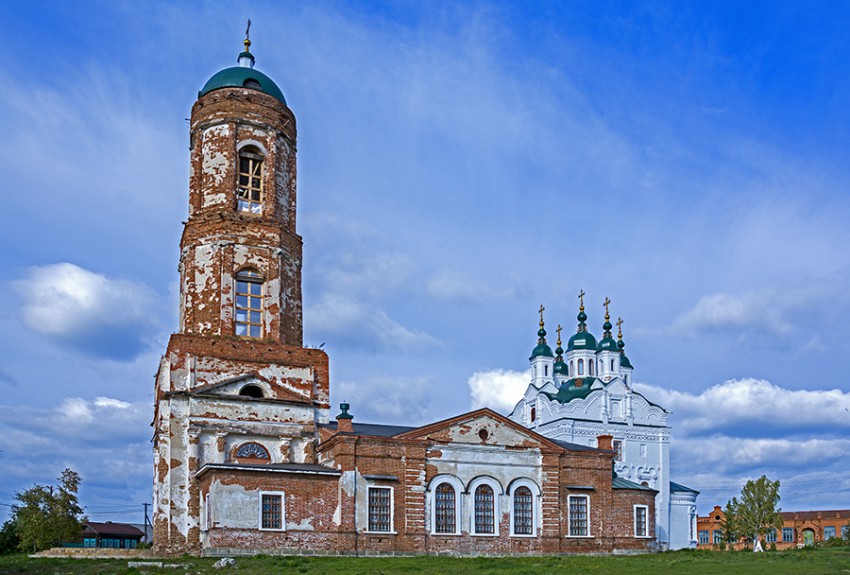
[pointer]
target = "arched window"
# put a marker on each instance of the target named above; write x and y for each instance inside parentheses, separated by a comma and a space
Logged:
(581, 367)
(546, 370)
(445, 509)
(249, 303)
(590, 363)
(523, 508)
(533, 414)
(612, 365)
(249, 193)
(572, 369)
(484, 509)
(252, 451)
(254, 391)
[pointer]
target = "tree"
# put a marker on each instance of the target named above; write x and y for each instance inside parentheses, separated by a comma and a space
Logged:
(756, 512)
(9, 537)
(48, 514)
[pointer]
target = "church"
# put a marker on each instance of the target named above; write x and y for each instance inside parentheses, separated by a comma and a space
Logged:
(586, 391)
(247, 456)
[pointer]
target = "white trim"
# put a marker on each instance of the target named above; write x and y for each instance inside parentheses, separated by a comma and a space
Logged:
(253, 143)
(458, 487)
(391, 530)
(497, 497)
(282, 511)
(646, 534)
(569, 518)
(535, 505)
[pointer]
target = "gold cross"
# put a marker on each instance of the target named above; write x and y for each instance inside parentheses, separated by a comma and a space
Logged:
(542, 309)
(581, 298)
(605, 303)
(620, 328)
(559, 334)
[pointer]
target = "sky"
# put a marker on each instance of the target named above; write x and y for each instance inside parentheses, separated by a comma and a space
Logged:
(459, 164)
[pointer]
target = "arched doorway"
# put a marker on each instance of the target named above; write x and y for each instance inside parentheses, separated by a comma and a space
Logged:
(808, 537)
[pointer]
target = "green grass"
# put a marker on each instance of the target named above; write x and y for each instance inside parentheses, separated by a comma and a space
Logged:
(835, 560)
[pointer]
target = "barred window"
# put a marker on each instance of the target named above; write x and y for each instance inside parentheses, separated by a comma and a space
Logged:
(271, 511)
(249, 304)
(578, 509)
(249, 193)
(787, 534)
(445, 509)
(380, 509)
(523, 511)
(485, 509)
(770, 536)
(641, 521)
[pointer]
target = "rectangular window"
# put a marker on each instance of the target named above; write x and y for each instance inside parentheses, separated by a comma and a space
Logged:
(250, 191)
(578, 506)
(380, 509)
(523, 511)
(90, 542)
(718, 536)
(828, 532)
(845, 531)
(770, 536)
(618, 450)
(787, 534)
(271, 511)
(641, 521)
(703, 536)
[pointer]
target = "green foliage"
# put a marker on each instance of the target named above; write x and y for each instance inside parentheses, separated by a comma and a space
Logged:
(756, 511)
(9, 539)
(48, 514)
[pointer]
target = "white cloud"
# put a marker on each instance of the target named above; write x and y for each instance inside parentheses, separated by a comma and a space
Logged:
(88, 311)
(75, 410)
(747, 406)
(498, 389)
(110, 402)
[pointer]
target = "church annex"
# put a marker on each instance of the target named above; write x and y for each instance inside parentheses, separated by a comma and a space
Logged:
(246, 456)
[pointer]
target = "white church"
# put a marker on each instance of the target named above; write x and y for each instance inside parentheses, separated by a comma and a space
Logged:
(587, 392)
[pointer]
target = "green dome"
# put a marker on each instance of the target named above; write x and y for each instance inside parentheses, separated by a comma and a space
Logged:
(542, 350)
(624, 361)
(582, 340)
(242, 77)
(607, 344)
(560, 368)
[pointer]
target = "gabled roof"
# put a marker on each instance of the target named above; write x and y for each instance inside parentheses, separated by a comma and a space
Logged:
(115, 529)
(210, 390)
(679, 487)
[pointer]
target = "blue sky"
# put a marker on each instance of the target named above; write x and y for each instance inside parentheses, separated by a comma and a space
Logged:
(459, 164)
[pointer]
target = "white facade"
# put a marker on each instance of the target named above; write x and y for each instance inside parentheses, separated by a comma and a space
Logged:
(584, 400)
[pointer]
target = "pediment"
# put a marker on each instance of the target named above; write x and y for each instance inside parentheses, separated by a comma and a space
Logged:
(250, 386)
(481, 427)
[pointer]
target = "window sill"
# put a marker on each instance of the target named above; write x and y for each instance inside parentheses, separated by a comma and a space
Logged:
(484, 534)
(380, 532)
(273, 530)
(524, 536)
(642, 537)
(580, 537)
(445, 534)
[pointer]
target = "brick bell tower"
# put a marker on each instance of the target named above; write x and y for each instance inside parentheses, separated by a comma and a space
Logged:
(236, 373)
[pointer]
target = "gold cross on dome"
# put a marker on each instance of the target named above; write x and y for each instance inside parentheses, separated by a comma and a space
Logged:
(559, 334)
(605, 303)
(620, 327)
(581, 295)
(542, 309)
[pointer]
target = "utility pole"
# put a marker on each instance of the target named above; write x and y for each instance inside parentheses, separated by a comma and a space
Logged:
(148, 522)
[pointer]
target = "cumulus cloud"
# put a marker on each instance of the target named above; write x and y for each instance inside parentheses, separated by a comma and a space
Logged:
(749, 407)
(498, 389)
(87, 311)
(355, 324)
(105, 439)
